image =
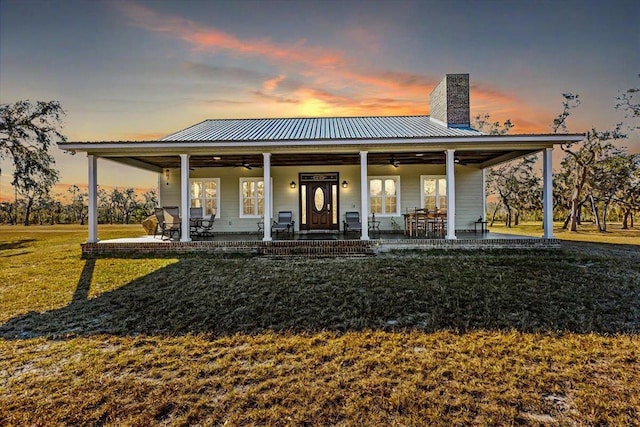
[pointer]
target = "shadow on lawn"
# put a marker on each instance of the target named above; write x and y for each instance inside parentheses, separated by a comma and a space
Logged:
(18, 244)
(545, 293)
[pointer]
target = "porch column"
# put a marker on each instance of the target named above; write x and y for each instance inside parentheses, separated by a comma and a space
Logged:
(364, 195)
(267, 196)
(451, 196)
(484, 194)
(547, 193)
(185, 235)
(93, 198)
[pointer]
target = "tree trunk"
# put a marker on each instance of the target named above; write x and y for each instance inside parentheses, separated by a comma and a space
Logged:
(575, 204)
(27, 212)
(566, 221)
(575, 207)
(493, 216)
(625, 219)
(594, 210)
(516, 218)
(605, 212)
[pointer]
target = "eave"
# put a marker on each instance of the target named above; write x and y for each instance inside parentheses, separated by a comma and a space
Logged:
(478, 150)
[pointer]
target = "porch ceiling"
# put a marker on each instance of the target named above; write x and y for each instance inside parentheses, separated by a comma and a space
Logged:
(479, 158)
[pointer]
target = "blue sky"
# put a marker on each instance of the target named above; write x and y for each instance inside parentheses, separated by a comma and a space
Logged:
(143, 69)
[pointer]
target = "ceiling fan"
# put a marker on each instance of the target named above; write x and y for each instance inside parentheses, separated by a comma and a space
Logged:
(243, 164)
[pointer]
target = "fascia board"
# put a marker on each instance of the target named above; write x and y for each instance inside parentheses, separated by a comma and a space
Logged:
(484, 141)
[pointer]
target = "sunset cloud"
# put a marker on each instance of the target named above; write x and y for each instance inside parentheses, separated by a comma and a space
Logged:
(204, 38)
(271, 84)
(328, 82)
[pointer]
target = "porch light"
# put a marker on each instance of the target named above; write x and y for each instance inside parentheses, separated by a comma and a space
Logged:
(166, 175)
(345, 184)
(292, 184)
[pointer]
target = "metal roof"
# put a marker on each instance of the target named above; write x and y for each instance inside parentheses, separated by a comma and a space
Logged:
(319, 128)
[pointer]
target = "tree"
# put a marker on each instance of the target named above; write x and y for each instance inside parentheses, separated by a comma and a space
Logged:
(27, 131)
(581, 157)
(79, 210)
(628, 196)
(628, 103)
(609, 175)
(483, 123)
(518, 188)
(32, 182)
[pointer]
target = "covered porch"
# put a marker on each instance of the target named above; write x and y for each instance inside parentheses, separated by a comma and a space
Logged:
(282, 172)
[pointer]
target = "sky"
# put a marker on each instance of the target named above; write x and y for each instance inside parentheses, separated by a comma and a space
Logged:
(135, 70)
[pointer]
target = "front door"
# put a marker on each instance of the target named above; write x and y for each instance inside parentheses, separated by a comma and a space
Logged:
(319, 201)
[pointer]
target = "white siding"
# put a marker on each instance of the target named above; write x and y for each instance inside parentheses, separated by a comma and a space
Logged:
(468, 196)
(468, 192)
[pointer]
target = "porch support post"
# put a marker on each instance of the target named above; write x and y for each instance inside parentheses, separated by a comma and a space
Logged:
(93, 198)
(364, 195)
(547, 193)
(484, 194)
(267, 196)
(451, 196)
(185, 235)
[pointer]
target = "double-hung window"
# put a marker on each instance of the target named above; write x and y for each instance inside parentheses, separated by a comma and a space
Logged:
(384, 195)
(433, 192)
(205, 193)
(251, 197)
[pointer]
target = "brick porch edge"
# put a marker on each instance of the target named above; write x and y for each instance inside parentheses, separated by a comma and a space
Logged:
(310, 247)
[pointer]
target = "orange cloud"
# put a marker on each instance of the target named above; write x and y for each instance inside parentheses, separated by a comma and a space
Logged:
(271, 84)
(334, 83)
(206, 38)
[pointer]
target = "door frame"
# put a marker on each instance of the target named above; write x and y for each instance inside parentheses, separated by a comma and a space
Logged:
(305, 199)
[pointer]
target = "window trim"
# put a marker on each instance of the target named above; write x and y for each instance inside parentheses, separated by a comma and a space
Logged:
(241, 213)
(396, 178)
(437, 178)
(204, 180)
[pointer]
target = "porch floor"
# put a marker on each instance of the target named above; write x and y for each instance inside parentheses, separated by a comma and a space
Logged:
(378, 236)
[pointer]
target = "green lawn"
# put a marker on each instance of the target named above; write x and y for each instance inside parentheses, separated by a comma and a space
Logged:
(420, 338)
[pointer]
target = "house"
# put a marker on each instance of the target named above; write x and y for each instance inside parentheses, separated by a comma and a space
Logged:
(247, 170)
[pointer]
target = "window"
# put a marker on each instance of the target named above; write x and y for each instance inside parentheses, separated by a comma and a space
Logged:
(434, 192)
(251, 197)
(384, 195)
(206, 193)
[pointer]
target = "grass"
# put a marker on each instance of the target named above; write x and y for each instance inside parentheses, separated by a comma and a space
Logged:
(587, 232)
(468, 338)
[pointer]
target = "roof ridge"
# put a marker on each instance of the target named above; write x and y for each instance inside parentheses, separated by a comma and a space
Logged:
(311, 118)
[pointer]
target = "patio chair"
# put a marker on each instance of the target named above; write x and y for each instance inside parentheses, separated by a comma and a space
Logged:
(438, 223)
(198, 224)
(168, 221)
(285, 222)
(352, 222)
(195, 215)
(420, 218)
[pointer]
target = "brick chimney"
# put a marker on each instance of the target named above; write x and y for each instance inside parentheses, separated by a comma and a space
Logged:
(449, 101)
